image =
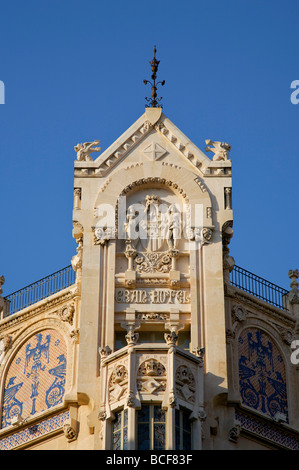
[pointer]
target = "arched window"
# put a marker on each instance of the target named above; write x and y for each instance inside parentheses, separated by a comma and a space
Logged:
(35, 380)
(262, 376)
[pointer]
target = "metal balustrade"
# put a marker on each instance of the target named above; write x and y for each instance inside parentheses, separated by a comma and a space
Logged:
(41, 289)
(259, 287)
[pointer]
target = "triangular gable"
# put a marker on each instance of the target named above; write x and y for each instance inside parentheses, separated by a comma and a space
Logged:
(153, 118)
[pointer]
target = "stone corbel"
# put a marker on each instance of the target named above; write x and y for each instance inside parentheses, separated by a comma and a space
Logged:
(131, 325)
(5, 344)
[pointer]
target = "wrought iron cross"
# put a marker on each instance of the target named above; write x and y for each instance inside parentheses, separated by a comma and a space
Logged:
(154, 101)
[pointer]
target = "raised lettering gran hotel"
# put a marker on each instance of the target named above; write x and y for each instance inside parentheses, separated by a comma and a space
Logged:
(153, 338)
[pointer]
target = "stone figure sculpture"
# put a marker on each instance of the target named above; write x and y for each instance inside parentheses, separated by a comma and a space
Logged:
(84, 150)
(220, 149)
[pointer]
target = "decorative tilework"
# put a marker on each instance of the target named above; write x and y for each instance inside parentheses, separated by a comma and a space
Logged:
(263, 429)
(35, 380)
(33, 432)
(262, 374)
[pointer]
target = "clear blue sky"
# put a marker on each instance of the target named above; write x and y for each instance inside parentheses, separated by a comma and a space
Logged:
(74, 70)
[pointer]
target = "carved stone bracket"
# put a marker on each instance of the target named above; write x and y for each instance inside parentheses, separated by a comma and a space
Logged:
(84, 150)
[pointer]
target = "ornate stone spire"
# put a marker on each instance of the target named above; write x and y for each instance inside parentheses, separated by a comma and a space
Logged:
(154, 101)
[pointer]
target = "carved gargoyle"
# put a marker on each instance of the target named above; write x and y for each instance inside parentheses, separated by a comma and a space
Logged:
(84, 150)
(220, 149)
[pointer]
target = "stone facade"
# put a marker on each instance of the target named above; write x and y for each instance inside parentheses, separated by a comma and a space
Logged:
(151, 346)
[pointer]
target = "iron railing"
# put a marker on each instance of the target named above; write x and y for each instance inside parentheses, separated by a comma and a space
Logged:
(259, 287)
(41, 289)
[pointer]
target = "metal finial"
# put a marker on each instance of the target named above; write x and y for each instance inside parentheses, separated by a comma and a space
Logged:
(154, 101)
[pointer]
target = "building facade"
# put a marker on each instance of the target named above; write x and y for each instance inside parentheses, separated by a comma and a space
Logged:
(152, 338)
